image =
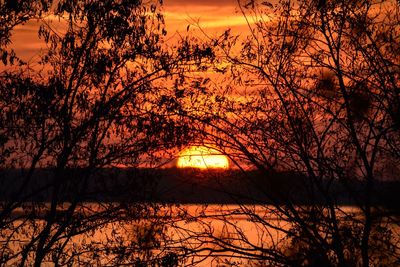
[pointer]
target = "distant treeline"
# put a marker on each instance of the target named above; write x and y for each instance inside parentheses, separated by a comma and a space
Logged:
(174, 185)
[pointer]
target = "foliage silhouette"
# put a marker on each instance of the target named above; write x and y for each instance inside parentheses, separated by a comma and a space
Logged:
(98, 97)
(313, 91)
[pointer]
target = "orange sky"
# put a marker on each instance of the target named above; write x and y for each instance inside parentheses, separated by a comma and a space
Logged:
(214, 17)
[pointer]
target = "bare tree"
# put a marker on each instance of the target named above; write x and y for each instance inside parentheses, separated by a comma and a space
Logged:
(311, 105)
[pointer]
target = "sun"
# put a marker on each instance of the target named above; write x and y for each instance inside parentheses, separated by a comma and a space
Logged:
(202, 157)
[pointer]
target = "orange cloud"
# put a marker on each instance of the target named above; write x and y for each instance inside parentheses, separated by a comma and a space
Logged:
(211, 16)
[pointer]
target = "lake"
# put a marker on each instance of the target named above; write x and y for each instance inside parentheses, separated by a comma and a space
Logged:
(206, 235)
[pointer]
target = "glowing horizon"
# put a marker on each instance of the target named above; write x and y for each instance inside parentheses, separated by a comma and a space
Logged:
(201, 157)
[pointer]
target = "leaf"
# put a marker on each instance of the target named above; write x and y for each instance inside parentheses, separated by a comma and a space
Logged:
(250, 4)
(268, 4)
(4, 57)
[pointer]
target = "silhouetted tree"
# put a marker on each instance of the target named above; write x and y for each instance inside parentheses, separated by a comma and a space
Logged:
(99, 97)
(313, 93)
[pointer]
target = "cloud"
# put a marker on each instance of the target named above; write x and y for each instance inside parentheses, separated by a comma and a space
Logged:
(183, 3)
(211, 15)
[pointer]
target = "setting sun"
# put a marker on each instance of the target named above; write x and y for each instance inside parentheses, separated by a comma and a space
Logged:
(202, 158)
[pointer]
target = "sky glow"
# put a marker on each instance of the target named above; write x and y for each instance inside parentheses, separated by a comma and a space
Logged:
(201, 157)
